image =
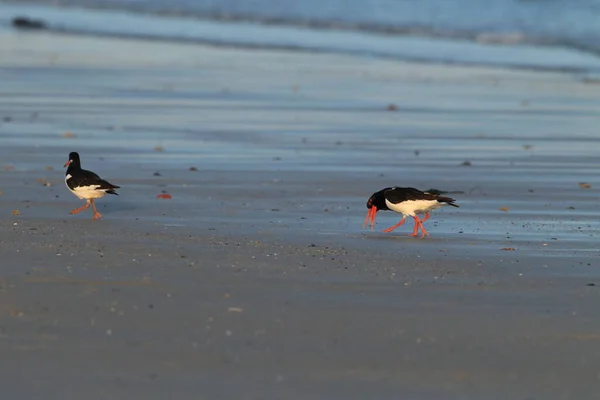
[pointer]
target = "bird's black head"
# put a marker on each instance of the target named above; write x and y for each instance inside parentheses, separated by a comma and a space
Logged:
(377, 200)
(375, 203)
(73, 160)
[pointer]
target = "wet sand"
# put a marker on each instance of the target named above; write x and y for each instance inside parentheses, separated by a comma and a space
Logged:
(256, 280)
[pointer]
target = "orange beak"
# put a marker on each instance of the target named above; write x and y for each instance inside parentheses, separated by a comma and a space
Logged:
(370, 218)
(67, 164)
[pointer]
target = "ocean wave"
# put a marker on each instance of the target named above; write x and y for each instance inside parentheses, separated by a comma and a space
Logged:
(411, 43)
(554, 29)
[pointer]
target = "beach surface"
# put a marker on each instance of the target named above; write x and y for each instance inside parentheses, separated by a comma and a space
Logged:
(256, 279)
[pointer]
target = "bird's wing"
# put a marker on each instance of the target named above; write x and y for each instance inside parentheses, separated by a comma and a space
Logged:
(89, 178)
(397, 195)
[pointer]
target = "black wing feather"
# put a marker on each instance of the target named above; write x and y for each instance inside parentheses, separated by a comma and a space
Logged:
(398, 195)
(88, 178)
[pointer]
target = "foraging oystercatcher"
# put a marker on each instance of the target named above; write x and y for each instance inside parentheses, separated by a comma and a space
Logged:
(407, 201)
(86, 184)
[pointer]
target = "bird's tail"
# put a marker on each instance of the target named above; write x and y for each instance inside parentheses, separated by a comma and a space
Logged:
(448, 200)
(108, 187)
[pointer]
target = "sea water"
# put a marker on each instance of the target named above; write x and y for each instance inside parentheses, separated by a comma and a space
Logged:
(538, 34)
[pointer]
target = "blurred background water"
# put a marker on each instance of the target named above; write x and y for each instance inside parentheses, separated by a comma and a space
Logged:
(540, 34)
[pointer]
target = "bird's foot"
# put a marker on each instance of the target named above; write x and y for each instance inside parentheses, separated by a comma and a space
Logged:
(77, 210)
(97, 215)
(424, 234)
(80, 209)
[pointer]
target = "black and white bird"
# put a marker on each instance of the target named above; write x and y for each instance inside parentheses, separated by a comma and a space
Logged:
(86, 184)
(407, 201)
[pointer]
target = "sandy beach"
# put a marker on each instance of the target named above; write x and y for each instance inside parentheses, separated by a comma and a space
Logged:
(257, 280)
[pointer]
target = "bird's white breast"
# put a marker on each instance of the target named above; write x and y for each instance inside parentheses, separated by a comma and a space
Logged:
(86, 192)
(412, 207)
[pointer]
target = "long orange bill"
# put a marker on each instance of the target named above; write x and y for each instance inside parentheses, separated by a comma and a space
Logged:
(67, 164)
(370, 218)
(367, 218)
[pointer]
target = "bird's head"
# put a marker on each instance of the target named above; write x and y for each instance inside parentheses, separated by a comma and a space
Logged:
(73, 159)
(375, 203)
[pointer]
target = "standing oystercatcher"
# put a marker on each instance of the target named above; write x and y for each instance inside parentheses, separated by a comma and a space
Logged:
(407, 201)
(85, 184)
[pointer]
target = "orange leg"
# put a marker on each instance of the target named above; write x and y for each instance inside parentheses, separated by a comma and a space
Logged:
(391, 228)
(80, 209)
(96, 213)
(423, 230)
(415, 231)
(419, 224)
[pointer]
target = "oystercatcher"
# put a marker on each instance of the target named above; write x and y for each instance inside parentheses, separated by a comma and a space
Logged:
(407, 201)
(86, 184)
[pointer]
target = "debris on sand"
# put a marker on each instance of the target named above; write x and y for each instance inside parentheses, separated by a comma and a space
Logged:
(44, 182)
(164, 196)
(584, 185)
(503, 209)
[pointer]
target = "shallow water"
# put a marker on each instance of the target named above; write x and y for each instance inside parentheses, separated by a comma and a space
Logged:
(559, 22)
